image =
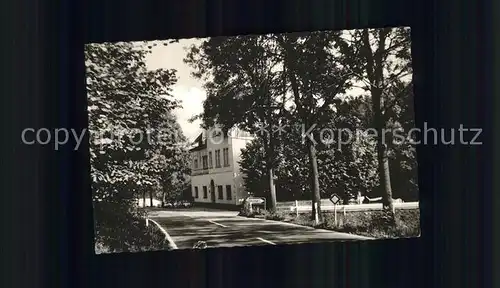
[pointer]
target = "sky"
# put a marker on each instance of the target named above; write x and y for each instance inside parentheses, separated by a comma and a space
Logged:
(188, 89)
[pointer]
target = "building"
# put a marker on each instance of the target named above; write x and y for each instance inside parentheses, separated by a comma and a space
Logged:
(216, 176)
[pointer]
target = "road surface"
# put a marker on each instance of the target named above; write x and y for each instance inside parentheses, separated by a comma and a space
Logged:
(226, 229)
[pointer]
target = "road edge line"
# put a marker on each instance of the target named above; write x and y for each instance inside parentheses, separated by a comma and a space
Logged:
(218, 224)
(266, 241)
(167, 236)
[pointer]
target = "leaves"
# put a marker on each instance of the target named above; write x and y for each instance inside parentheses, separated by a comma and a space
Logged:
(135, 137)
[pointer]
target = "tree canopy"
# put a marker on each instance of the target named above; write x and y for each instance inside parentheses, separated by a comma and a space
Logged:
(135, 139)
(309, 79)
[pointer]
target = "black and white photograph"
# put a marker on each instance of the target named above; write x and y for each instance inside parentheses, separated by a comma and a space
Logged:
(249, 140)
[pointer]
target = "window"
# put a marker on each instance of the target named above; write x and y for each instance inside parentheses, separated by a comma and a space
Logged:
(205, 162)
(217, 158)
(221, 193)
(210, 162)
(229, 195)
(205, 192)
(226, 157)
(196, 192)
(195, 163)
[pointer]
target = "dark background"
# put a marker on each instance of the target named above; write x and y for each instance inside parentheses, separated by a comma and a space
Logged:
(49, 236)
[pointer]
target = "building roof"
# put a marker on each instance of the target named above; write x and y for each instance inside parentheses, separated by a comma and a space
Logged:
(198, 148)
(200, 143)
(201, 140)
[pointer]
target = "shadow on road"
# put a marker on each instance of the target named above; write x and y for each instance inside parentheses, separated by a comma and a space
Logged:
(236, 231)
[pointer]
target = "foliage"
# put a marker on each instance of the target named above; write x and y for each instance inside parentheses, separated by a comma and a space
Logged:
(253, 167)
(383, 70)
(306, 78)
(276, 215)
(243, 84)
(125, 231)
(125, 101)
(343, 171)
(245, 210)
(240, 79)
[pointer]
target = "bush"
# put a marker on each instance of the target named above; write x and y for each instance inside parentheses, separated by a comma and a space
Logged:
(140, 238)
(276, 215)
(376, 224)
(125, 230)
(245, 211)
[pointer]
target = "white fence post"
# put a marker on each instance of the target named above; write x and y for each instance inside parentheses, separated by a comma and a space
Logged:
(335, 213)
(297, 207)
(316, 213)
(147, 222)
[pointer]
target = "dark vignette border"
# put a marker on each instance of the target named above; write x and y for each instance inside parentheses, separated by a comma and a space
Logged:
(453, 78)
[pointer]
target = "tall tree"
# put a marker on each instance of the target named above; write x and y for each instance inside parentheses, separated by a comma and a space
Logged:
(249, 72)
(317, 76)
(124, 100)
(402, 154)
(171, 158)
(242, 87)
(385, 66)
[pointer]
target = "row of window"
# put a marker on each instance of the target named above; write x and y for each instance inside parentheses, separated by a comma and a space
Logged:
(220, 192)
(207, 161)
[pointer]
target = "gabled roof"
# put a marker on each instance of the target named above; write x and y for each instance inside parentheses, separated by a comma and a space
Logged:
(200, 142)
(198, 148)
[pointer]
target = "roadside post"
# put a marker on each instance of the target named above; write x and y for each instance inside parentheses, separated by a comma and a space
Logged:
(335, 200)
(316, 213)
(147, 221)
(335, 214)
(296, 208)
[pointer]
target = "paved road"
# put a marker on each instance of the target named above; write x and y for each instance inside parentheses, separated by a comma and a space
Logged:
(226, 229)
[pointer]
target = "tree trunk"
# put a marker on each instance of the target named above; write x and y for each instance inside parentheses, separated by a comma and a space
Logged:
(270, 152)
(303, 115)
(143, 198)
(272, 187)
(270, 172)
(374, 66)
(163, 195)
(382, 158)
(384, 172)
(316, 195)
(151, 197)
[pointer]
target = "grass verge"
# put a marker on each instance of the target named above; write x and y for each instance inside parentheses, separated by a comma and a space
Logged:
(369, 223)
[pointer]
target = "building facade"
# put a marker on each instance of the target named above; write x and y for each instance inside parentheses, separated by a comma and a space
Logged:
(216, 176)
